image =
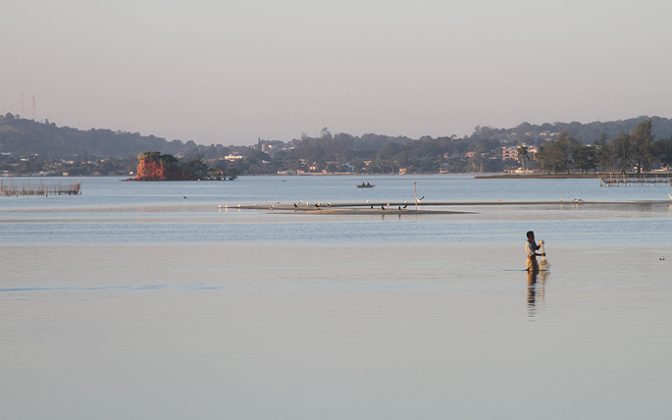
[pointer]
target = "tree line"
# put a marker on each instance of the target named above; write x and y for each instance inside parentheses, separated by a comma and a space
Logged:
(31, 147)
(637, 151)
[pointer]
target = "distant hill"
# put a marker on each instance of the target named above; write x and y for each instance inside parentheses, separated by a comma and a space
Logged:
(585, 133)
(24, 137)
(20, 137)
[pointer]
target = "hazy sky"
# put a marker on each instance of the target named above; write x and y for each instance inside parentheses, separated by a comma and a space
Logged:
(231, 71)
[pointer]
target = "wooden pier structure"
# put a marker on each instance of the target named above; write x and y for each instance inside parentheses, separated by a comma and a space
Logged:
(26, 189)
(625, 180)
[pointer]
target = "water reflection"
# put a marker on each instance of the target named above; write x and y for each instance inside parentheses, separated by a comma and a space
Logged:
(536, 290)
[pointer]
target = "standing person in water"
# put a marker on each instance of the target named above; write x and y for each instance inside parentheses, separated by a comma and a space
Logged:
(531, 248)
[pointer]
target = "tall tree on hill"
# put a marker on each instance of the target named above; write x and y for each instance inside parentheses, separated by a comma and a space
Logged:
(585, 158)
(642, 146)
(325, 134)
(605, 154)
(622, 152)
(663, 149)
(557, 156)
(476, 162)
(481, 149)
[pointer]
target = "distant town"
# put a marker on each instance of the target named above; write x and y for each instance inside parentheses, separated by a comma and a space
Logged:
(638, 145)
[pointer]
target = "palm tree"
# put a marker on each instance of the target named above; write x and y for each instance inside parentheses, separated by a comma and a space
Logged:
(523, 155)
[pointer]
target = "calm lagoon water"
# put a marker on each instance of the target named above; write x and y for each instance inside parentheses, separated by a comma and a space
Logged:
(132, 301)
(112, 211)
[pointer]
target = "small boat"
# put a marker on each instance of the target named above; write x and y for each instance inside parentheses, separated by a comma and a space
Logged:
(365, 185)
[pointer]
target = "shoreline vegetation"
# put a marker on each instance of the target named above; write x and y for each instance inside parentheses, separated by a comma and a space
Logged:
(638, 145)
(657, 177)
(221, 176)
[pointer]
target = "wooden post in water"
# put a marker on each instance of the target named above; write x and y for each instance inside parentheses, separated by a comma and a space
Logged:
(415, 195)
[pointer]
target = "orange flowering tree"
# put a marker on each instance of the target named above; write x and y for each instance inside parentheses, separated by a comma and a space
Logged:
(153, 166)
